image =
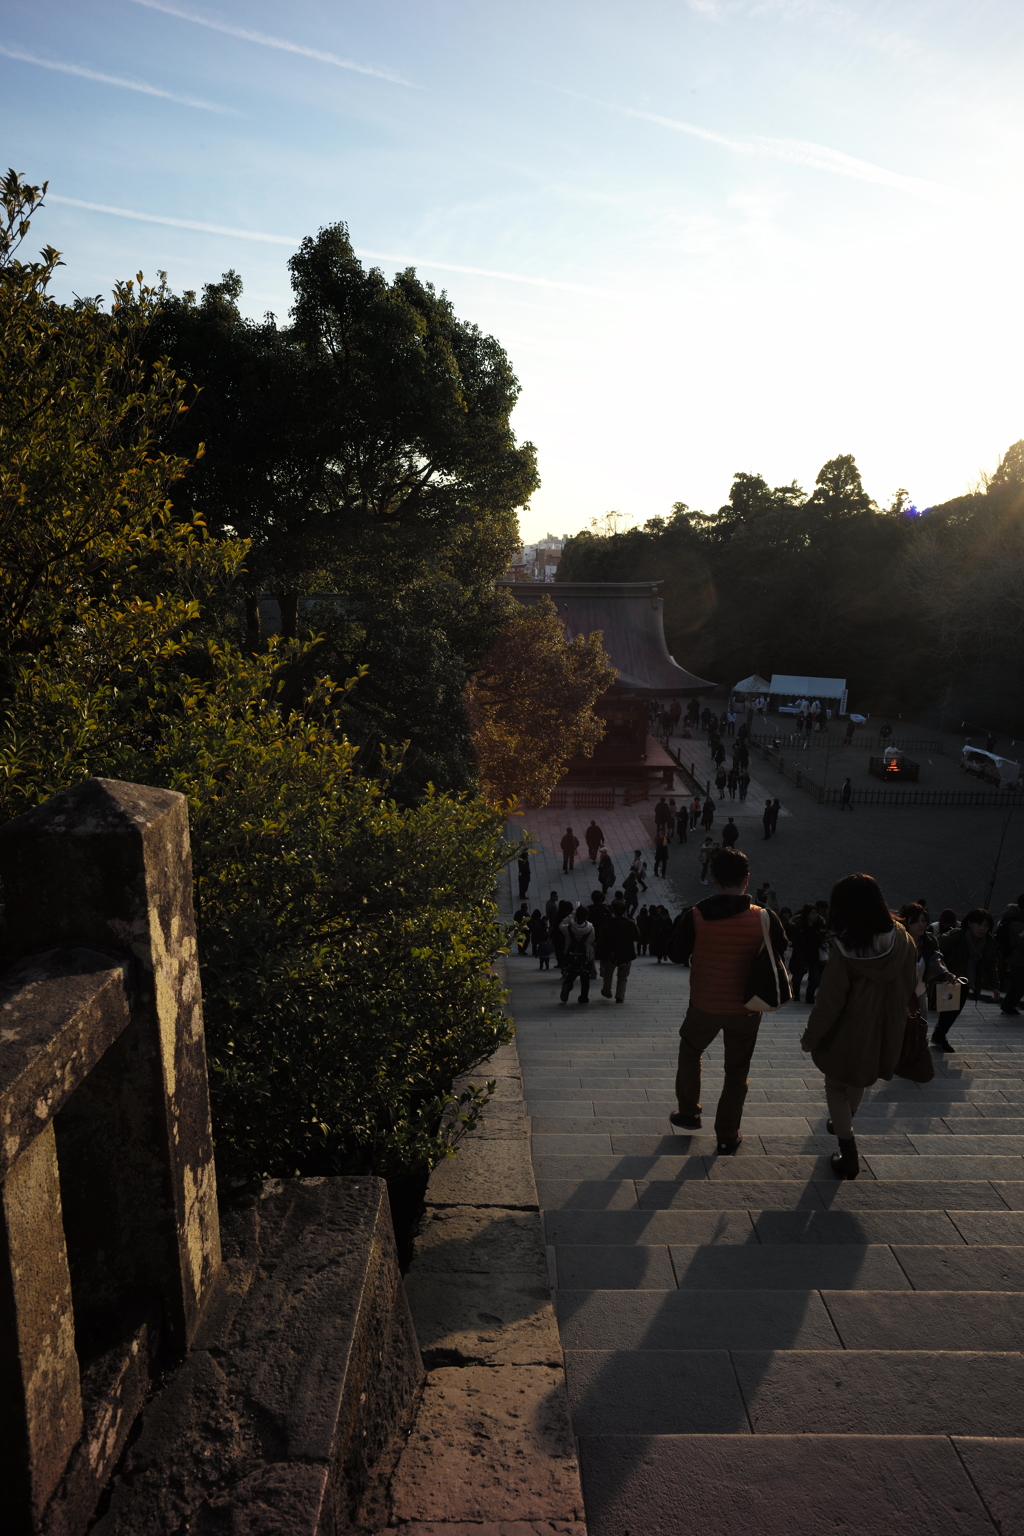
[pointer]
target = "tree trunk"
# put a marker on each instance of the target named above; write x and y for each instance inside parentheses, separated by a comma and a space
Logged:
(289, 603)
(253, 624)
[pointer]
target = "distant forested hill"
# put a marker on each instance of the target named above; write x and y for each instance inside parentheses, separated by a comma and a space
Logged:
(917, 610)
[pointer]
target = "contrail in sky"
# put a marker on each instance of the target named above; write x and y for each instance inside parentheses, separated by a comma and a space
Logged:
(295, 241)
(267, 41)
(127, 85)
(795, 151)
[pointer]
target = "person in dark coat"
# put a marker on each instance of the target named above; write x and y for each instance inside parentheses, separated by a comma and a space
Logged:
(569, 845)
(766, 819)
(707, 815)
(524, 873)
(593, 837)
(538, 930)
(776, 808)
(521, 927)
(661, 927)
(643, 923)
(579, 955)
(605, 869)
(730, 832)
(661, 855)
(616, 951)
(807, 934)
(565, 909)
(970, 953)
(630, 893)
(682, 822)
(598, 909)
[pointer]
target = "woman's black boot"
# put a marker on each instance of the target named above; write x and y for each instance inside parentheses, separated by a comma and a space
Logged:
(845, 1162)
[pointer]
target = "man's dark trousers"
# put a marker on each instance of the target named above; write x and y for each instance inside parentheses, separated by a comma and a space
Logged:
(739, 1037)
(574, 969)
(1014, 988)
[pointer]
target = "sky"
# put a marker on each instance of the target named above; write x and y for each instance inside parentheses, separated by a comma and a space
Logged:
(712, 235)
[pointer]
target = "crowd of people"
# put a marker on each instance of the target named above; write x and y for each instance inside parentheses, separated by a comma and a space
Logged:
(959, 959)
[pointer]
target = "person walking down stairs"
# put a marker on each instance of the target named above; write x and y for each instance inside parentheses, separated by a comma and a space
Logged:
(723, 934)
(855, 1030)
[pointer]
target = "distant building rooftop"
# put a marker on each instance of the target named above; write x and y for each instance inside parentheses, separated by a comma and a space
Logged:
(630, 616)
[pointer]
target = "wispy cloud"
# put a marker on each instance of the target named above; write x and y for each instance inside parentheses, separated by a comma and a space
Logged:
(266, 41)
(85, 73)
(158, 218)
(295, 241)
(795, 151)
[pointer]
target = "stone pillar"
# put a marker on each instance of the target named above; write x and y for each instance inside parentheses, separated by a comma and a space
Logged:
(107, 864)
(40, 1394)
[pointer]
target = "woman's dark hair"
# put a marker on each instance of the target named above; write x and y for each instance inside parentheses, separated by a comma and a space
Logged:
(977, 915)
(857, 911)
(912, 912)
(582, 915)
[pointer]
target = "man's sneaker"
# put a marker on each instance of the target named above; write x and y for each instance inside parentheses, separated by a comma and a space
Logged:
(686, 1122)
(727, 1148)
(604, 993)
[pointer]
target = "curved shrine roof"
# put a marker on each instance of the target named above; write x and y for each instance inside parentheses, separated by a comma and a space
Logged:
(630, 616)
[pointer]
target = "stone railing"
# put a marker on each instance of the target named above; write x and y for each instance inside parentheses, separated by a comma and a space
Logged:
(111, 1274)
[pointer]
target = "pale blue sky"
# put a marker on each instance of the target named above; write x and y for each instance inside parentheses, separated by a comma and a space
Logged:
(713, 236)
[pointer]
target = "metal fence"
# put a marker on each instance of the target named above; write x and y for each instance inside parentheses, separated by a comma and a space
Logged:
(820, 741)
(833, 796)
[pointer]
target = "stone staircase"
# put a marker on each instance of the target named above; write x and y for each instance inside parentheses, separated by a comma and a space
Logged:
(753, 1346)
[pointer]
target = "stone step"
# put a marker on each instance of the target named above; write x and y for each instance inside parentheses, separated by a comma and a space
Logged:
(754, 1266)
(740, 1265)
(800, 1485)
(971, 1392)
(609, 1228)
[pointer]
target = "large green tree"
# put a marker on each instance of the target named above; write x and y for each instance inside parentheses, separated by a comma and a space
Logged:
(345, 941)
(366, 449)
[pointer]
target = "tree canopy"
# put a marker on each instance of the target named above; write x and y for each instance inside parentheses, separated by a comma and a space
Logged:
(911, 608)
(345, 940)
(364, 449)
(531, 704)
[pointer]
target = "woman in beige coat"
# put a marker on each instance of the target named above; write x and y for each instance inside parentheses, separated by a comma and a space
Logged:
(856, 1027)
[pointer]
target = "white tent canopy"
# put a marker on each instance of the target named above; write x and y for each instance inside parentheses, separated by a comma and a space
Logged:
(751, 684)
(810, 688)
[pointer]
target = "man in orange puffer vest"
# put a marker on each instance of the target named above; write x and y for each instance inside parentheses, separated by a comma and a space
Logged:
(720, 936)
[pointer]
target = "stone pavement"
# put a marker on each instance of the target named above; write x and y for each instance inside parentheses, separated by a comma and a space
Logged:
(752, 1344)
(694, 752)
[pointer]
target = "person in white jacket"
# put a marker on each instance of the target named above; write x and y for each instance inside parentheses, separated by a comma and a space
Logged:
(579, 954)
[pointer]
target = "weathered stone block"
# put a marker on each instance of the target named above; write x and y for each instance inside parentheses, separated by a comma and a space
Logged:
(492, 1445)
(302, 1373)
(486, 1172)
(478, 1240)
(484, 1319)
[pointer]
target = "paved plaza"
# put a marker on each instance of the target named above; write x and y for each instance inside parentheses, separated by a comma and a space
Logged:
(753, 1346)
